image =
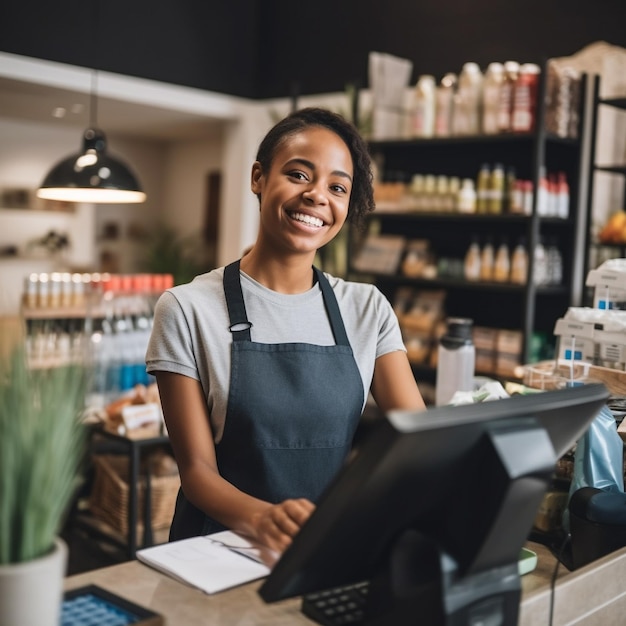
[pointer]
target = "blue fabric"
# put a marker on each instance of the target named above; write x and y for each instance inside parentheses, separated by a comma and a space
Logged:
(598, 459)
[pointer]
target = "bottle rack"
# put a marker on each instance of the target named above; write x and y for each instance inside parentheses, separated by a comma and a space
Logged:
(528, 308)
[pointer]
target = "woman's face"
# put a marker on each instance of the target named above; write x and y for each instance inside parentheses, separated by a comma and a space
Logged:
(306, 192)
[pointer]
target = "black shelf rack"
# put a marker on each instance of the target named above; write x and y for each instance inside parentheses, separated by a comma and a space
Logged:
(616, 250)
(529, 307)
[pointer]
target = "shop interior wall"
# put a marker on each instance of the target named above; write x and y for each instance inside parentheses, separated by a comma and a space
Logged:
(172, 173)
(275, 48)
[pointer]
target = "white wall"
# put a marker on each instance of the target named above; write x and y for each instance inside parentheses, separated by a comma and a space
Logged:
(173, 173)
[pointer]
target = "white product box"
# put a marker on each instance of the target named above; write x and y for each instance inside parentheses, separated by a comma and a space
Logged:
(609, 288)
(575, 340)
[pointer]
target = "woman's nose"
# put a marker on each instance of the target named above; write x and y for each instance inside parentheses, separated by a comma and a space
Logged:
(314, 195)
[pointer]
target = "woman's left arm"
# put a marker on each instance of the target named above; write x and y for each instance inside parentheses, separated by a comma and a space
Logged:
(393, 384)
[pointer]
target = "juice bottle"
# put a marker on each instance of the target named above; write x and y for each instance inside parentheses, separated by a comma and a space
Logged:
(519, 263)
(496, 189)
(472, 261)
(494, 77)
(482, 188)
(502, 264)
(507, 94)
(487, 258)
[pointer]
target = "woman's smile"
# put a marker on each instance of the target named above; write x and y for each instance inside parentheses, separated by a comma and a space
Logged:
(304, 218)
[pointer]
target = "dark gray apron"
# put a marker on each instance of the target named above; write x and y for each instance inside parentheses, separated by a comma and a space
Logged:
(293, 409)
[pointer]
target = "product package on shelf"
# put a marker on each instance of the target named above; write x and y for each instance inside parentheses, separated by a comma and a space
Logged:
(136, 413)
(419, 314)
(596, 336)
(389, 78)
(508, 352)
(485, 342)
(609, 283)
(380, 254)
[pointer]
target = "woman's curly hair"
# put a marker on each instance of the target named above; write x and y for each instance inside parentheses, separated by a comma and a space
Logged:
(362, 196)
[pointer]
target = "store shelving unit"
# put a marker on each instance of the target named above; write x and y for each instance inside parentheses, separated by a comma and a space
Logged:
(529, 308)
(593, 247)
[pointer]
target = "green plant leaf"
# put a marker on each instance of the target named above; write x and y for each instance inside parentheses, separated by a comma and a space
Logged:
(42, 445)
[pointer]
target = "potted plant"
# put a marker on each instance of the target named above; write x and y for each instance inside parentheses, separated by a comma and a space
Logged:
(41, 450)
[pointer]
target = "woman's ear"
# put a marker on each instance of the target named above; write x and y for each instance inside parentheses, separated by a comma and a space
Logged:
(255, 181)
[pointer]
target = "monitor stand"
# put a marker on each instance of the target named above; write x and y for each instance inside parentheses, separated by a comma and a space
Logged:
(420, 580)
(402, 594)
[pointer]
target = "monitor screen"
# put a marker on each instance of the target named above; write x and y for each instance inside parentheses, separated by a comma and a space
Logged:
(433, 508)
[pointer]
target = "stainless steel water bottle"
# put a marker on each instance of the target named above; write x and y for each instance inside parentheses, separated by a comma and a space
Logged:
(456, 359)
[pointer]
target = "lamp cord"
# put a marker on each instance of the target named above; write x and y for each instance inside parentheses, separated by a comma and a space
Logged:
(559, 556)
(93, 104)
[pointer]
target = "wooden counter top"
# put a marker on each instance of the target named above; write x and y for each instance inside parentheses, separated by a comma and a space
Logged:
(591, 596)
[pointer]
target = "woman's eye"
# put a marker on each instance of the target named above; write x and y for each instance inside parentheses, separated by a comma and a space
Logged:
(298, 175)
(338, 188)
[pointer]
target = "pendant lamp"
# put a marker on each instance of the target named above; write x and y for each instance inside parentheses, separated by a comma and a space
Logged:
(92, 175)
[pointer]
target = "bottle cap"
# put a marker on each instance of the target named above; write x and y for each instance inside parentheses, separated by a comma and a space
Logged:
(460, 327)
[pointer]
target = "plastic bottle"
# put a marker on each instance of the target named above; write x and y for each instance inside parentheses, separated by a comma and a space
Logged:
(555, 263)
(471, 264)
(496, 189)
(444, 104)
(540, 272)
(454, 186)
(482, 188)
(416, 191)
(502, 263)
(523, 118)
(456, 358)
(441, 194)
(430, 189)
(494, 77)
(519, 263)
(423, 113)
(467, 112)
(487, 259)
(466, 200)
(507, 94)
(562, 196)
(509, 190)
(543, 194)
(516, 205)
(528, 197)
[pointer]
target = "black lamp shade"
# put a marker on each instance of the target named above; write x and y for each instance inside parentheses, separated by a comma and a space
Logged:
(92, 176)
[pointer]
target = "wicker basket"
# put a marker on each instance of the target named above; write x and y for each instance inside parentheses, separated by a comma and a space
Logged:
(558, 374)
(110, 494)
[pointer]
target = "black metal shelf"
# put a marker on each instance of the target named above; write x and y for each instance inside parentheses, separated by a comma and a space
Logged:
(618, 103)
(495, 304)
(611, 169)
(459, 283)
(591, 244)
(456, 140)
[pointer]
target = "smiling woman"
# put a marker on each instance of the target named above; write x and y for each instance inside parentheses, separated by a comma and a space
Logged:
(264, 365)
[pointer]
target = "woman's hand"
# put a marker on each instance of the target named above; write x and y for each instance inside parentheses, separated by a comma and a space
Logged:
(277, 524)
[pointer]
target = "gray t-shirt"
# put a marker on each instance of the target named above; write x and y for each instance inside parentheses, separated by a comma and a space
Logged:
(191, 336)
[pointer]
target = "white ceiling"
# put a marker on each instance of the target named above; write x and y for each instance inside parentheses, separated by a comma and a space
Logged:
(124, 105)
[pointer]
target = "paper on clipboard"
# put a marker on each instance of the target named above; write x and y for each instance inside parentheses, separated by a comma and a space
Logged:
(210, 563)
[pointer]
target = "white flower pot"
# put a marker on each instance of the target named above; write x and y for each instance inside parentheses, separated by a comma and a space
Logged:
(31, 593)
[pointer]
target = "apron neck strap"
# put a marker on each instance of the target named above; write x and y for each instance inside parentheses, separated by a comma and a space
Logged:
(332, 308)
(239, 323)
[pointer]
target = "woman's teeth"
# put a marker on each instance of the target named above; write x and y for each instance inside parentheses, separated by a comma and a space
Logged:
(307, 219)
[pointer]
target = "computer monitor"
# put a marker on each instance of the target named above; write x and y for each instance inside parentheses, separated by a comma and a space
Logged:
(433, 508)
